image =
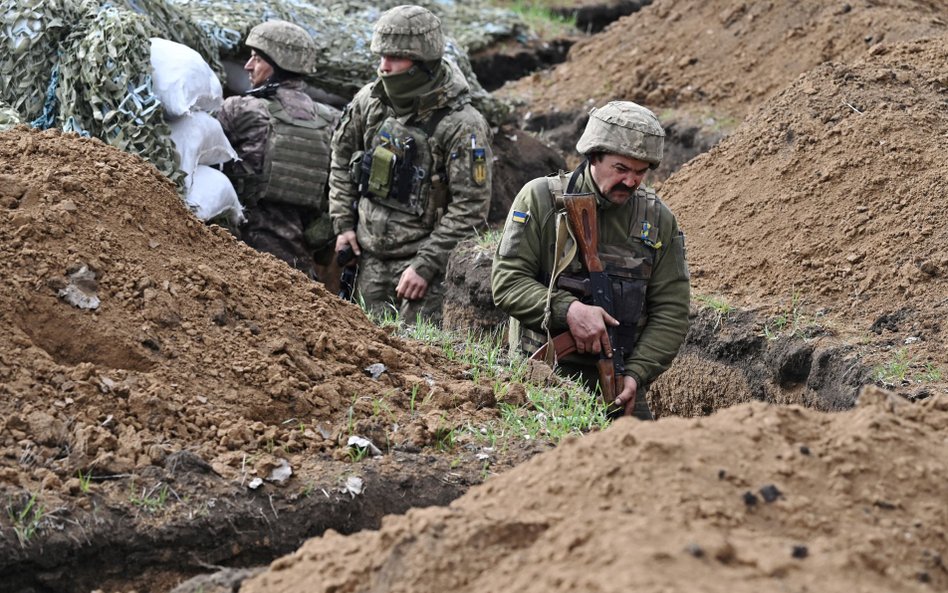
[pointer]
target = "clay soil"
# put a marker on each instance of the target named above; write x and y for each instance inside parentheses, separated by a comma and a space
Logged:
(720, 57)
(207, 367)
(754, 498)
(828, 202)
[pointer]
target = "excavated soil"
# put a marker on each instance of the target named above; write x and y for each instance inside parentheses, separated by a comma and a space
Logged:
(703, 66)
(754, 498)
(205, 366)
(721, 57)
(829, 201)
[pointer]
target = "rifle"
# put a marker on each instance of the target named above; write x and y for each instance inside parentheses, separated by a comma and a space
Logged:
(581, 213)
(349, 268)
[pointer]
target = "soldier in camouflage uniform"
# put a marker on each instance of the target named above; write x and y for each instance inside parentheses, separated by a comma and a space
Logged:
(282, 138)
(411, 168)
(639, 243)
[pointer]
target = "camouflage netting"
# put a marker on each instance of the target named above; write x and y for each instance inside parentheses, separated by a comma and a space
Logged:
(83, 65)
(105, 85)
(342, 32)
(30, 37)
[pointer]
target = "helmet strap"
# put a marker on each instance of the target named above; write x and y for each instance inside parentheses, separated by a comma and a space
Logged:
(575, 176)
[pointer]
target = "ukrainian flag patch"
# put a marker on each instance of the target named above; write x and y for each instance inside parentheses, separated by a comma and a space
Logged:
(520, 217)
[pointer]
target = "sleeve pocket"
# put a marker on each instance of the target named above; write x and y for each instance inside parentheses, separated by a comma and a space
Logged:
(681, 259)
(510, 242)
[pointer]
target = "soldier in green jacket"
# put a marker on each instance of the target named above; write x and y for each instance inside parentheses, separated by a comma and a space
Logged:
(282, 138)
(537, 277)
(411, 168)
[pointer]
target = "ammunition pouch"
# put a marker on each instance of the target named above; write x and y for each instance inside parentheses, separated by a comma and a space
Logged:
(389, 175)
(628, 277)
(296, 164)
(398, 170)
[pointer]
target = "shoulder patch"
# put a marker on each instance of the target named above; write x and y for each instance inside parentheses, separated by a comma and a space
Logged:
(478, 162)
(520, 217)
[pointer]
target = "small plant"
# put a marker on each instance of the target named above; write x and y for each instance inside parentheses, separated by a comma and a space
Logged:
(485, 470)
(487, 241)
(931, 374)
(721, 308)
(85, 482)
(413, 398)
(357, 453)
(387, 317)
(792, 320)
(380, 407)
(152, 500)
(308, 490)
(898, 370)
(26, 521)
(485, 433)
(893, 371)
(445, 439)
(350, 413)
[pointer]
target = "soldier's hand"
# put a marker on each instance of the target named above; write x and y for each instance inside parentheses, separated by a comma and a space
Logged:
(587, 323)
(348, 238)
(626, 398)
(411, 286)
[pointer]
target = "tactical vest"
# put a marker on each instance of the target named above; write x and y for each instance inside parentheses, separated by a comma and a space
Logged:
(629, 267)
(398, 170)
(296, 164)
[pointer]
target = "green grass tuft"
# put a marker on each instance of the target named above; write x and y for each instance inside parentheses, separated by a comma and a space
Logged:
(27, 521)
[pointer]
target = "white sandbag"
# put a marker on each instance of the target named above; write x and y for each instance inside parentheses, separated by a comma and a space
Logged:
(199, 140)
(182, 79)
(212, 195)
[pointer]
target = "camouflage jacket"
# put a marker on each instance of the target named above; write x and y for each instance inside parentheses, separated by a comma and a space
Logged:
(387, 233)
(246, 123)
(524, 260)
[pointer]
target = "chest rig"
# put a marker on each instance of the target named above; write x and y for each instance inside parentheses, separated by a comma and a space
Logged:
(295, 168)
(399, 170)
(627, 252)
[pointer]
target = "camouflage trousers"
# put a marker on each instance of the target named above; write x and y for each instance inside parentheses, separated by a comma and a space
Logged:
(589, 376)
(277, 229)
(375, 287)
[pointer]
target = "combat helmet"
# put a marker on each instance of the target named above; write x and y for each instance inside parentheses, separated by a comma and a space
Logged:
(288, 45)
(626, 128)
(409, 31)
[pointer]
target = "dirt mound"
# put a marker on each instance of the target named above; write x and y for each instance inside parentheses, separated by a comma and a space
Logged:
(198, 345)
(830, 199)
(752, 498)
(721, 57)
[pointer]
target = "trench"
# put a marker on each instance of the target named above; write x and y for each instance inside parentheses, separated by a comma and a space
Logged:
(726, 360)
(113, 548)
